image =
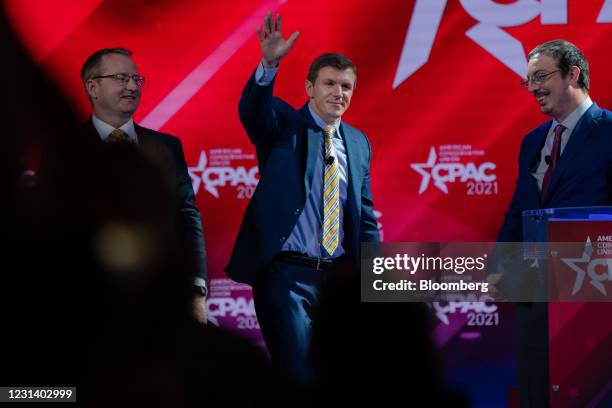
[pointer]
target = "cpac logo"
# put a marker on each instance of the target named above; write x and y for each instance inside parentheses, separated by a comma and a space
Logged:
(597, 279)
(214, 177)
(224, 306)
(443, 173)
(487, 33)
(442, 312)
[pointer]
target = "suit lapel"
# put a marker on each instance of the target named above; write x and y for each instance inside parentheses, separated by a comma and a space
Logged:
(154, 150)
(90, 133)
(352, 153)
(577, 139)
(533, 158)
(143, 139)
(314, 142)
(313, 150)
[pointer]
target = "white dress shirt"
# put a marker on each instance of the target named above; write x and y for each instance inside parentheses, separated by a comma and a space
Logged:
(104, 129)
(569, 123)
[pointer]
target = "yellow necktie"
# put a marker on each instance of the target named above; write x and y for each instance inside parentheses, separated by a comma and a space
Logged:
(331, 194)
(118, 135)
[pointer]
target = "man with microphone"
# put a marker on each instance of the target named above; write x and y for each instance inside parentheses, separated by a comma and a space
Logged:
(565, 162)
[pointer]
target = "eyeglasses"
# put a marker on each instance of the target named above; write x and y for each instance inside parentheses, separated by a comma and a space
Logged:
(124, 78)
(537, 78)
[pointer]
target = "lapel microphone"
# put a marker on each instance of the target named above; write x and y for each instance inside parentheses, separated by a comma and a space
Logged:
(548, 160)
(329, 160)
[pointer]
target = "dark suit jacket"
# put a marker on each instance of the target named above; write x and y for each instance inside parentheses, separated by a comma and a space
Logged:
(583, 176)
(287, 142)
(170, 150)
(165, 151)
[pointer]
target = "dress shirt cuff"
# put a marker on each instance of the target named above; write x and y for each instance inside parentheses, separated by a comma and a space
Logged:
(264, 76)
(199, 282)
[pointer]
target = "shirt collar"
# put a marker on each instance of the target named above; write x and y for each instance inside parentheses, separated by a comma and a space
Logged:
(573, 118)
(104, 129)
(321, 123)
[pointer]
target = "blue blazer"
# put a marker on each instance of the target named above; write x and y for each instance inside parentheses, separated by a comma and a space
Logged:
(287, 142)
(583, 176)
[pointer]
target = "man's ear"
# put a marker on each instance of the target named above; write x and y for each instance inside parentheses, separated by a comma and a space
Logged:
(309, 89)
(91, 88)
(574, 74)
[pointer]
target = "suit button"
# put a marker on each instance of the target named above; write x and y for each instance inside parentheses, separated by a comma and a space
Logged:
(283, 239)
(297, 211)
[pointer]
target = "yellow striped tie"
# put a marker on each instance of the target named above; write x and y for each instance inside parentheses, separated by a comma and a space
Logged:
(118, 135)
(331, 194)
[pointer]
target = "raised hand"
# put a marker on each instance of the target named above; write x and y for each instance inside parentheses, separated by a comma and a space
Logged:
(273, 45)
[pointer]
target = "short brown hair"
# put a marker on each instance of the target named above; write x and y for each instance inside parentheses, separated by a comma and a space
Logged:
(334, 60)
(91, 67)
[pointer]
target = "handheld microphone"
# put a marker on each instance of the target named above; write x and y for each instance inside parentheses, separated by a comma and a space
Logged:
(548, 160)
(329, 160)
